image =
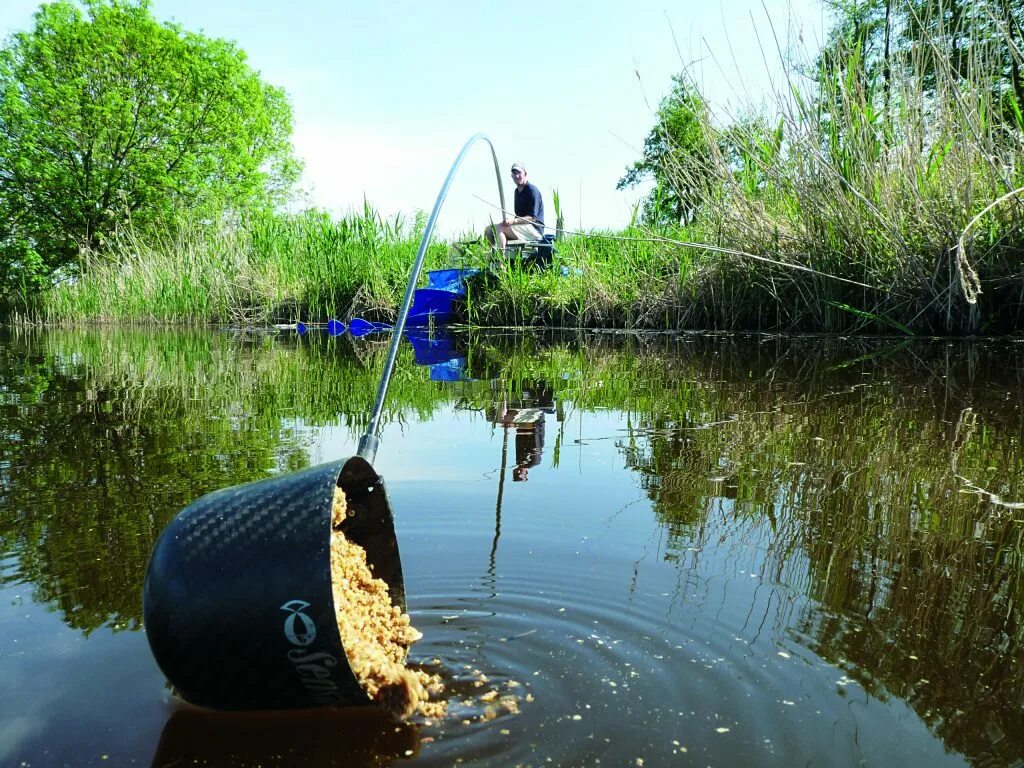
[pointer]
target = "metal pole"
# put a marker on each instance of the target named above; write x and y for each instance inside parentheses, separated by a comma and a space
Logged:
(369, 442)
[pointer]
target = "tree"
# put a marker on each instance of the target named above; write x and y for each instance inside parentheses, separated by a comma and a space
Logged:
(109, 115)
(675, 155)
(926, 38)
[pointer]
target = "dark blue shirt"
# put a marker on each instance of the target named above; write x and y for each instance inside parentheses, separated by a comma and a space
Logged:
(528, 203)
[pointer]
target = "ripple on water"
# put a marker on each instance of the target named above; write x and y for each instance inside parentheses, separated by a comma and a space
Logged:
(625, 649)
(589, 668)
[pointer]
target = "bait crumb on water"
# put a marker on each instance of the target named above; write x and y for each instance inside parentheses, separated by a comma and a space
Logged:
(510, 703)
(376, 634)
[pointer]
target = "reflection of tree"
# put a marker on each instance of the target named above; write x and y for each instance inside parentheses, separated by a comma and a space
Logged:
(916, 586)
(923, 601)
(845, 452)
(945, 635)
(107, 435)
(91, 476)
(669, 461)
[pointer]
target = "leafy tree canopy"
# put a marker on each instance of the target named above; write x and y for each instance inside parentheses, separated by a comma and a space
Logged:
(675, 157)
(894, 38)
(108, 115)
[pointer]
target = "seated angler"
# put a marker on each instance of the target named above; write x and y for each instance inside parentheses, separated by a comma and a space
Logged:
(528, 221)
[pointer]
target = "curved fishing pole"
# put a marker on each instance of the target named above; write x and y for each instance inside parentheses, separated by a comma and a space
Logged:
(368, 443)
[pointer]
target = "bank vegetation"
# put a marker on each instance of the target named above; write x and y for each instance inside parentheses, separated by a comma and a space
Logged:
(880, 192)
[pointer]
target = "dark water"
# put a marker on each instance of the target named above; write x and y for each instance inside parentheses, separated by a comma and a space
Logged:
(725, 551)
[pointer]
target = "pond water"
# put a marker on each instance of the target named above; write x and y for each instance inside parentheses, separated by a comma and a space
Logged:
(670, 550)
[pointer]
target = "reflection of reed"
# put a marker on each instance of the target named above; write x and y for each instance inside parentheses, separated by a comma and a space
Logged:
(916, 584)
(941, 628)
(261, 376)
(847, 456)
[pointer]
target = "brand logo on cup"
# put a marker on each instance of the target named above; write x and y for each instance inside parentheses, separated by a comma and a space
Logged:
(298, 627)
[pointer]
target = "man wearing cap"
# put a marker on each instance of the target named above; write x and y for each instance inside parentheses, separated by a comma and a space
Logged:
(528, 222)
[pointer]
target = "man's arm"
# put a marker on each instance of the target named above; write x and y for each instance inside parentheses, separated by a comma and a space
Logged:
(536, 206)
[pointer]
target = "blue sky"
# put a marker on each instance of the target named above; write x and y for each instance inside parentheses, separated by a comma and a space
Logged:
(386, 93)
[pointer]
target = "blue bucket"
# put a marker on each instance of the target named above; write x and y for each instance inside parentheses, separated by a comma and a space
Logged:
(432, 302)
(453, 280)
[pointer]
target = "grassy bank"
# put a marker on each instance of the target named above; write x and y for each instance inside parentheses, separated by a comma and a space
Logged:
(280, 269)
(881, 194)
(255, 270)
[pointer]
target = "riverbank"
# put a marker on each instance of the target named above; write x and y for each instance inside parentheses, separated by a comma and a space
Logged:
(882, 192)
(311, 267)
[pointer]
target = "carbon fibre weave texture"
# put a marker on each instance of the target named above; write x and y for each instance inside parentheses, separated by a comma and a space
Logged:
(237, 601)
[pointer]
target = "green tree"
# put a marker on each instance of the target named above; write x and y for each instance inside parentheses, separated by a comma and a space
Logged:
(896, 38)
(108, 115)
(675, 156)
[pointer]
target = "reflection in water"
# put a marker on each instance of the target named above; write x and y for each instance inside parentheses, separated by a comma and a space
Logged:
(525, 416)
(917, 578)
(352, 738)
(103, 443)
(868, 492)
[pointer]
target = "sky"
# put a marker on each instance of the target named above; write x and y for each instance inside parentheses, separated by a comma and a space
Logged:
(385, 94)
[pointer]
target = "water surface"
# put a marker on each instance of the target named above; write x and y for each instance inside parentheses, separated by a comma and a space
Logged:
(685, 550)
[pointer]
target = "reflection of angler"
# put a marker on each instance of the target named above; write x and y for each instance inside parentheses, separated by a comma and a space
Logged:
(529, 443)
(359, 736)
(527, 418)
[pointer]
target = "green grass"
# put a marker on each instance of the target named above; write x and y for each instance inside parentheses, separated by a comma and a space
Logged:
(843, 208)
(260, 269)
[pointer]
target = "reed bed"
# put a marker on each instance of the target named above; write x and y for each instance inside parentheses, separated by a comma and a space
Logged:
(874, 196)
(249, 270)
(882, 174)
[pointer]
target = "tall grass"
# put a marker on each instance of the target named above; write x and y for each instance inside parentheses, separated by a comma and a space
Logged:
(255, 269)
(600, 279)
(879, 196)
(859, 202)
(872, 176)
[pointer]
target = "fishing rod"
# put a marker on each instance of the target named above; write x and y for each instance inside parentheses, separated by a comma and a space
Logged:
(701, 246)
